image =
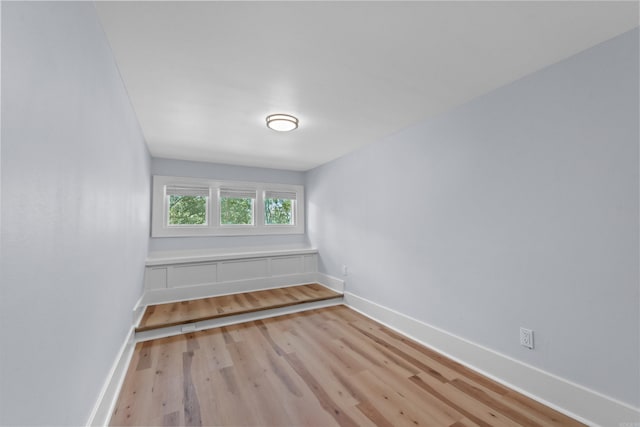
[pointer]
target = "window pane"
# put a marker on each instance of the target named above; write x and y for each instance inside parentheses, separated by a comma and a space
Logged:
(236, 211)
(188, 210)
(278, 211)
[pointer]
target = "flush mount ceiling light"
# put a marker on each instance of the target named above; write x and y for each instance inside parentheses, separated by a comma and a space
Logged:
(282, 122)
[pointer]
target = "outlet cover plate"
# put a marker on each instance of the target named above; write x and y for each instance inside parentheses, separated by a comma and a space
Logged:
(526, 338)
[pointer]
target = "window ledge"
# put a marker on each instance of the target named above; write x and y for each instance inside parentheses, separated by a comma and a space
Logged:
(191, 256)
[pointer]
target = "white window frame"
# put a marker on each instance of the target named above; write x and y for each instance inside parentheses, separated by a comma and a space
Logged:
(160, 209)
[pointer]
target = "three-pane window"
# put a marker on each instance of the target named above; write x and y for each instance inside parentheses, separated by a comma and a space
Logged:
(194, 207)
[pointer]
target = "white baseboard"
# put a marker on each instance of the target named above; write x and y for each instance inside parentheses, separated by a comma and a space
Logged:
(101, 413)
(330, 282)
(574, 400)
(183, 293)
(138, 311)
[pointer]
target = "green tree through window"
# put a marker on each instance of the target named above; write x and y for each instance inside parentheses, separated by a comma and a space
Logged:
(278, 211)
(236, 211)
(187, 210)
(185, 206)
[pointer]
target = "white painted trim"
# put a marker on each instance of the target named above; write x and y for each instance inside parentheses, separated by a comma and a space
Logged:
(160, 209)
(186, 257)
(101, 413)
(235, 319)
(184, 293)
(138, 311)
(330, 282)
(572, 399)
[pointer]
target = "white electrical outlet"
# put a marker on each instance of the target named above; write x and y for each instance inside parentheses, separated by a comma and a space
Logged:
(345, 270)
(526, 338)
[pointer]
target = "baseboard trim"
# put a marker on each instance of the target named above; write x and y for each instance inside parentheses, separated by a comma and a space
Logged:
(183, 293)
(101, 413)
(572, 399)
(330, 282)
(138, 308)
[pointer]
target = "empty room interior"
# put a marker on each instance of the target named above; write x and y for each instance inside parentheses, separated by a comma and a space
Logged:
(320, 213)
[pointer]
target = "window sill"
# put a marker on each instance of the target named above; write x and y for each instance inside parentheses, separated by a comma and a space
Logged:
(187, 231)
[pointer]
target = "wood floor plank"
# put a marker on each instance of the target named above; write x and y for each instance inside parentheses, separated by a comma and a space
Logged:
(182, 312)
(321, 365)
(152, 388)
(291, 389)
(371, 412)
(255, 388)
(442, 413)
(473, 409)
(446, 362)
(395, 405)
(325, 367)
(463, 423)
(547, 415)
(314, 384)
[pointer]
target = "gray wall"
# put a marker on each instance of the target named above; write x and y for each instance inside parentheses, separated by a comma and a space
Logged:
(517, 209)
(75, 213)
(231, 173)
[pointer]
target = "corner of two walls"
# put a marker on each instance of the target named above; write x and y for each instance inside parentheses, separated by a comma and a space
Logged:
(519, 208)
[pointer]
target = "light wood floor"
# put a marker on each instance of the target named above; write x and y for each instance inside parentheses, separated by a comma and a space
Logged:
(325, 367)
(177, 313)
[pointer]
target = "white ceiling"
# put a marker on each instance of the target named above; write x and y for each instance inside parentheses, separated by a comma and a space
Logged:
(202, 76)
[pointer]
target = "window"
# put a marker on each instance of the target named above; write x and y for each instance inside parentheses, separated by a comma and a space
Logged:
(237, 207)
(187, 205)
(279, 207)
(201, 207)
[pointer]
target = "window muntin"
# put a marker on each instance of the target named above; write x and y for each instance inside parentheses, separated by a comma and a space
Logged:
(279, 207)
(237, 207)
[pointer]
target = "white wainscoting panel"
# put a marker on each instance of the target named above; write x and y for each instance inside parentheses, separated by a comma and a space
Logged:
(243, 270)
(191, 275)
(188, 276)
(183, 293)
(281, 266)
(155, 278)
(310, 263)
